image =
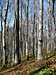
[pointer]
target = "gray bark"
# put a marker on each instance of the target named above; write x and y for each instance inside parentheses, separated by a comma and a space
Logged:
(40, 37)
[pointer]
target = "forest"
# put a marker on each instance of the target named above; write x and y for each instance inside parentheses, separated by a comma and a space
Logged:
(28, 37)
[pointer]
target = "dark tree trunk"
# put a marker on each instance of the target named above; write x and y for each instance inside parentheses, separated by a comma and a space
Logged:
(17, 33)
(27, 28)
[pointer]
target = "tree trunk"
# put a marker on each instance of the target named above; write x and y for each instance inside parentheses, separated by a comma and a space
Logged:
(21, 40)
(48, 32)
(4, 37)
(53, 17)
(40, 37)
(1, 38)
(17, 32)
(27, 52)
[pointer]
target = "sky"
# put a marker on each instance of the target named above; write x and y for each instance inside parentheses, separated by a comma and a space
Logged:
(10, 18)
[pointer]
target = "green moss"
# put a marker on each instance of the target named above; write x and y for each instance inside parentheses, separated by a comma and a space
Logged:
(45, 71)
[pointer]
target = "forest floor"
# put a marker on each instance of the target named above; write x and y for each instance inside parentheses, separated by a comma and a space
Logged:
(30, 66)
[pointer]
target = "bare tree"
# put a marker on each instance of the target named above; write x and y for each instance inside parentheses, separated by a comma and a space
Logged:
(27, 52)
(34, 31)
(17, 32)
(51, 28)
(4, 37)
(40, 38)
(1, 37)
(48, 33)
(53, 17)
(21, 30)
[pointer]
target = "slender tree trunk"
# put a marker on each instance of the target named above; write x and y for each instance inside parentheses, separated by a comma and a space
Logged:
(48, 32)
(17, 33)
(53, 1)
(34, 37)
(9, 45)
(13, 51)
(27, 52)
(3, 47)
(34, 31)
(21, 31)
(35, 27)
(40, 37)
(4, 36)
(15, 54)
(1, 38)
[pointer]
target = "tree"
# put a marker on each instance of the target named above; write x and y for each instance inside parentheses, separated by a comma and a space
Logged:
(51, 26)
(40, 37)
(53, 17)
(17, 32)
(1, 37)
(35, 30)
(21, 30)
(27, 52)
(48, 33)
(4, 37)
